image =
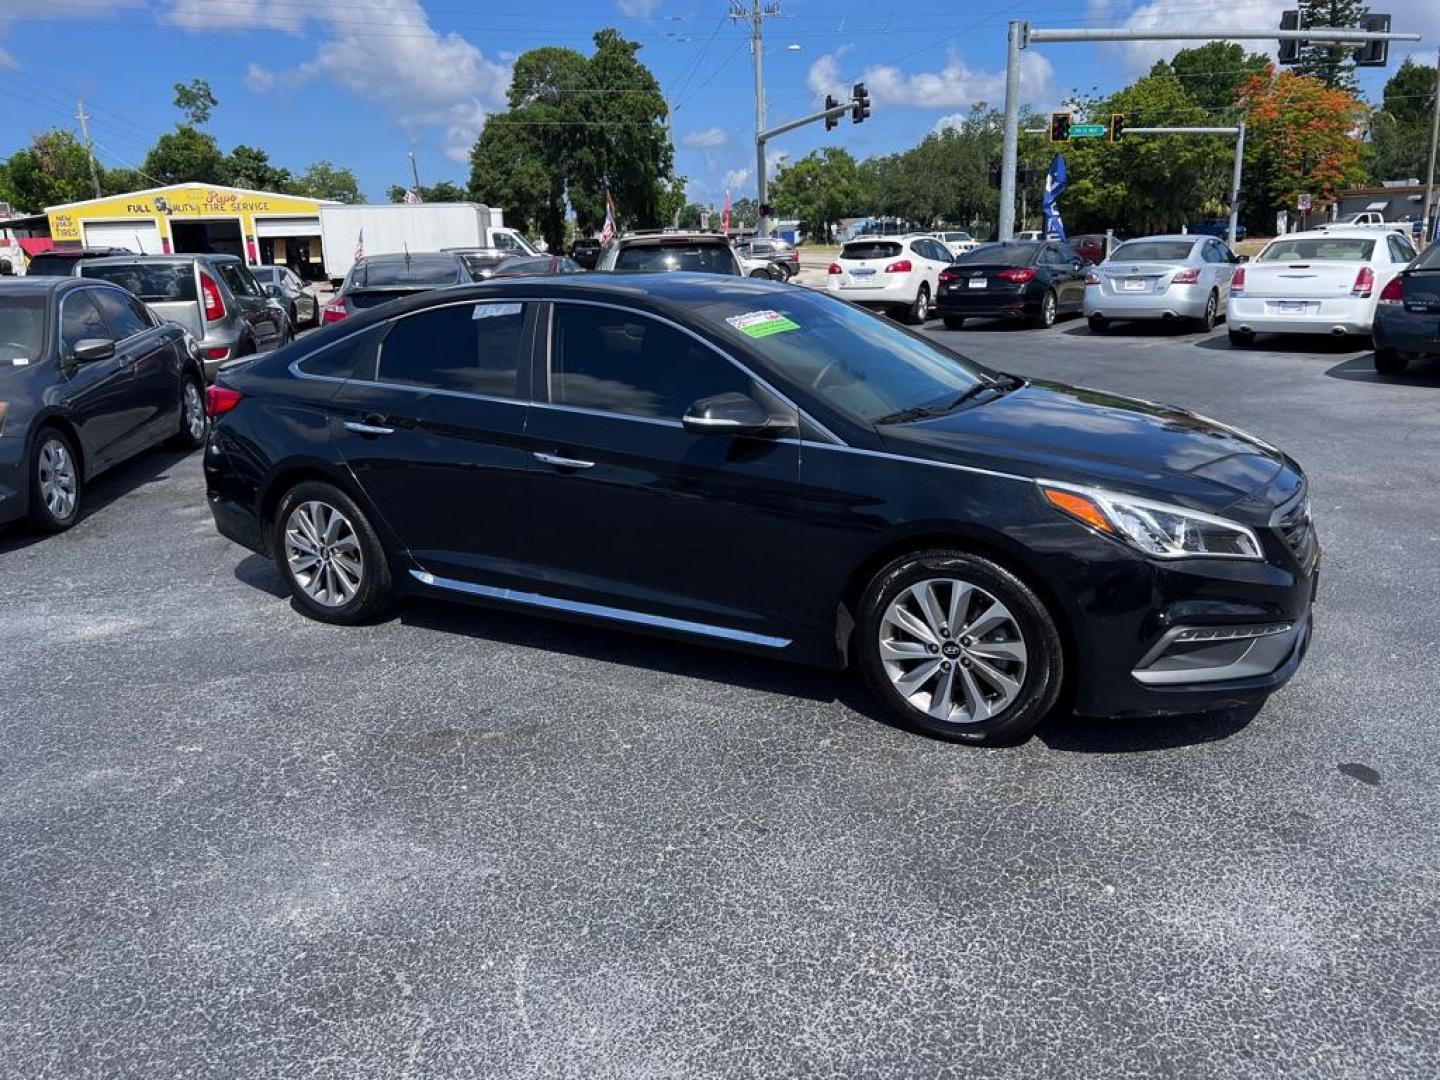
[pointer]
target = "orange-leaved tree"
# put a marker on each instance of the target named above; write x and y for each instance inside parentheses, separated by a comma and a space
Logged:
(1302, 137)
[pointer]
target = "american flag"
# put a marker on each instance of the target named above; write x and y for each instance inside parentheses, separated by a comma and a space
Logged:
(725, 216)
(360, 244)
(412, 196)
(607, 231)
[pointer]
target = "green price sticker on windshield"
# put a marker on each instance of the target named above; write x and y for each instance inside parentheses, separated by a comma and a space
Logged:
(762, 323)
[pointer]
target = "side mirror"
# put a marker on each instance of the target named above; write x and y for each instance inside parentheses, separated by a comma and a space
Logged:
(732, 414)
(1242, 258)
(275, 292)
(88, 350)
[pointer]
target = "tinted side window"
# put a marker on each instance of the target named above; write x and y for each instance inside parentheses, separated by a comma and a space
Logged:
(239, 279)
(472, 348)
(619, 362)
(80, 319)
(123, 320)
(341, 360)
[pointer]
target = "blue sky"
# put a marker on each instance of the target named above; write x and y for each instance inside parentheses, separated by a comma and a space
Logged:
(362, 82)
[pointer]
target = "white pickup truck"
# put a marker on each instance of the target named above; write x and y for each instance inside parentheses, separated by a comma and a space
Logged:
(1372, 219)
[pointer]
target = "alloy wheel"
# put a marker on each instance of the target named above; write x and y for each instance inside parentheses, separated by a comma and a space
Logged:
(1047, 309)
(194, 412)
(952, 650)
(58, 484)
(922, 305)
(323, 553)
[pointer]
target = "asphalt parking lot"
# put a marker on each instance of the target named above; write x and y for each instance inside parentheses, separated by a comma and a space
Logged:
(234, 842)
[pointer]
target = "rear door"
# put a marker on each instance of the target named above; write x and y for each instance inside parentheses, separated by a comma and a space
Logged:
(1066, 273)
(264, 320)
(935, 257)
(147, 352)
(635, 514)
(97, 395)
(434, 436)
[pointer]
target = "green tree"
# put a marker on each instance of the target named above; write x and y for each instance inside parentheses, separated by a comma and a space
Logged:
(1212, 74)
(195, 100)
(121, 181)
(1400, 131)
(1333, 65)
(820, 189)
(444, 191)
(249, 167)
(322, 180)
(185, 155)
(53, 169)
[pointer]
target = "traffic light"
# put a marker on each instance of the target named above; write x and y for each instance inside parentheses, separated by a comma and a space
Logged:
(1117, 126)
(995, 174)
(1289, 47)
(766, 210)
(861, 109)
(831, 121)
(1374, 53)
(1060, 126)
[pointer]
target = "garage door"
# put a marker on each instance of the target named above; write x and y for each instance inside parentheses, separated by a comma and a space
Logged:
(142, 237)
(287, 226)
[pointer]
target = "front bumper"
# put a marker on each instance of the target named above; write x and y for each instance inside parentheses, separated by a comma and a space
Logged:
(1407, 331)
(1176, 302)
(1266, 315)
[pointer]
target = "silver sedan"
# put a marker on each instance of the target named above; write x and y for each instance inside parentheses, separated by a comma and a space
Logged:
(1161, 277)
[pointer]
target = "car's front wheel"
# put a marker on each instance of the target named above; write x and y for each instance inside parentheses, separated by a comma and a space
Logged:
(954, 322)
(1241, 339)
(55, 483)
(1098, 324)
(959, 647)
(194, 424)
(329, 555)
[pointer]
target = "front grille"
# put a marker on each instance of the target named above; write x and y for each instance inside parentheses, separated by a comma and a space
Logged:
(1298, 531)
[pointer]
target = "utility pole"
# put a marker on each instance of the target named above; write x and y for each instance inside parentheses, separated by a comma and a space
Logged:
(1429, 212)
(1235, 182)
(415, 172)
(90, 147)
(757, 15)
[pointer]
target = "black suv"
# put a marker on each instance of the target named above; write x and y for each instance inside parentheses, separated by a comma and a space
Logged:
(60, 262)
(586, 251)
(694, 252)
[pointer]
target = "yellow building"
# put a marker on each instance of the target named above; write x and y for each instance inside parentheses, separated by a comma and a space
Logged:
(262, 227)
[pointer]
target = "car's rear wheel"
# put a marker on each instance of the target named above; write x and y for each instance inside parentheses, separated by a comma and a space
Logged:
(959, 647)
(329, 555)
(1098, 324)
(759, 273)
(1049, 307)
(55, 483)
(919, 311)
(1206, 322)
(1241, 339)
(1390, 361)
(194, 424)
(954, 322)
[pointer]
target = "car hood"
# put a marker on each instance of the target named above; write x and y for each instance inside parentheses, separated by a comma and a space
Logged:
(1057, 432)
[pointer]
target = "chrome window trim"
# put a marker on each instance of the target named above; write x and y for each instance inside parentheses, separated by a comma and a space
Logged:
(602, 611)
(549, 366)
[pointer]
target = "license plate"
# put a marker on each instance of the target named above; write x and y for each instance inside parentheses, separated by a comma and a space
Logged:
(979, 283)
(1290, 307)
(1133, 284)
(862, 271)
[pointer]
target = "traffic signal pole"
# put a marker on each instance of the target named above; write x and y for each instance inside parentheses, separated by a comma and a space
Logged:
(1022, 34)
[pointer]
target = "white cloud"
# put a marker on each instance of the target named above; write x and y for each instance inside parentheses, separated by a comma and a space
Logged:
(238, 15)
(955, 86)
(637, 9)
(736, 179)
(706, 138)
(15, 10)
(259, 80)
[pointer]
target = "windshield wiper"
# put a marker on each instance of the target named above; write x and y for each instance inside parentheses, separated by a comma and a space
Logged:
(917, 412)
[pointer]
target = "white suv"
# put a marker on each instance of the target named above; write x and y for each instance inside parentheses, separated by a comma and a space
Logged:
(898, 273)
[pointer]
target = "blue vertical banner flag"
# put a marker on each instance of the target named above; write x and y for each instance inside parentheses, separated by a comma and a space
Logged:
(1056, 181)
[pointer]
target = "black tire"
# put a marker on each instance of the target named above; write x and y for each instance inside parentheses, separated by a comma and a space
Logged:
(372, 595)
(1390, 361)
(759, 273)
(954, 322)
(1206, 322)
(1098, 324)
(54, 450)
(191, 435)
(1040, 679)
(1241, 339)
(918, 312)
(1049, 311)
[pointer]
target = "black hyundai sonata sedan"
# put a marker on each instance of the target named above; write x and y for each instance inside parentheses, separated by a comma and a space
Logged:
(769, 468)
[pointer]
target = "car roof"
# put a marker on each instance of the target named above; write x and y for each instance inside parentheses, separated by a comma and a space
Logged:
(674, 237)
(1351, 232)
(433, 257)
(38, 283)
(1179, 238)
(161, 260)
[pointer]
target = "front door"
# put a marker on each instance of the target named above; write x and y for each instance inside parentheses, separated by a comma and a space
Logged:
(97, 393)
(147, 351)
(633, 514)
(435, 440)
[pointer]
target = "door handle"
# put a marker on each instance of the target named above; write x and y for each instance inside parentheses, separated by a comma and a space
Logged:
(367, 429)
(562, 462)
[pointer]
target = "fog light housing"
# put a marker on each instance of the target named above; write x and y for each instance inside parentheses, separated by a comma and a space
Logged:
(1201, 654)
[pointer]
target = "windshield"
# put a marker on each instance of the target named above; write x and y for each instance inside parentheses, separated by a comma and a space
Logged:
(861, 365)
(155, 283)
(1319, 249)
(22, 328)
(1429, 259)
(402, 271)
(1153, 251)
(999, 255)
(870, 249)
(481, 266)
(696, 258)
(956, 237)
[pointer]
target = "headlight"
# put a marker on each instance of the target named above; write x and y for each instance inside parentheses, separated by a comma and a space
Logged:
(1158, 529)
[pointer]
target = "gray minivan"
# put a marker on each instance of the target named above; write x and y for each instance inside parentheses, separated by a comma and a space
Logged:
(215, 297)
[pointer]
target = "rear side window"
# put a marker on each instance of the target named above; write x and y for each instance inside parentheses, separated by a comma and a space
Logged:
(124, 321)
(623, 363)
(80, 319)
(870, 249)
(340, 360)
(155, 283)
(469, 348)
(239, 279)
(692, 258)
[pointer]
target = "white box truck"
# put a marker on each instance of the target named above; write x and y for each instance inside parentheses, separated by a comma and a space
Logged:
(349, 231)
